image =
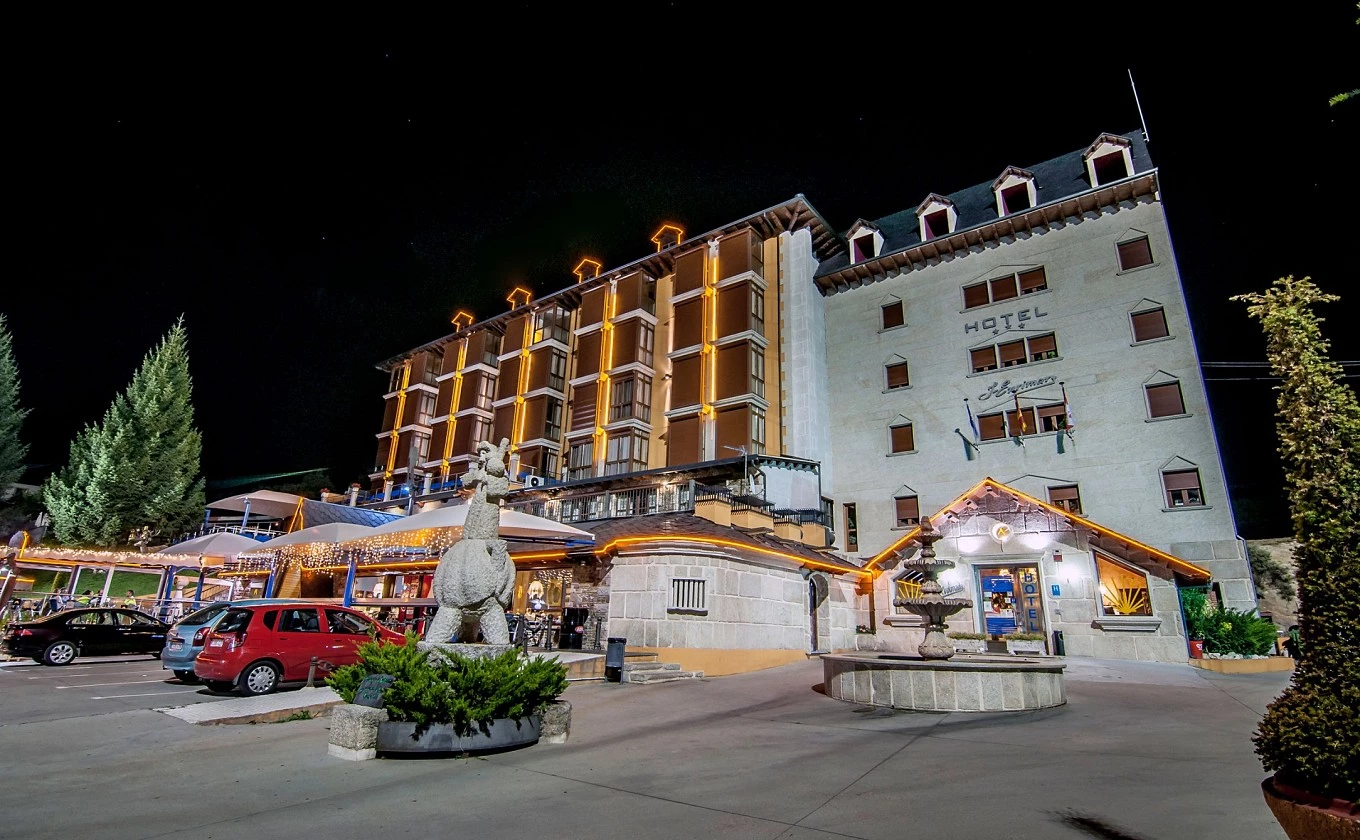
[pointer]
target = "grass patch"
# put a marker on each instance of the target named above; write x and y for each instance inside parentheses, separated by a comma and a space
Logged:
(301, 715)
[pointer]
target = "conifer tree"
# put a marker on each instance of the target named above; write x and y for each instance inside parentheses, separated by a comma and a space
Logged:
(140, 465)
(12, 450)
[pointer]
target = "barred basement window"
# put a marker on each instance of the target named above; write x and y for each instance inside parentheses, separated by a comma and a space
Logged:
(688, 595)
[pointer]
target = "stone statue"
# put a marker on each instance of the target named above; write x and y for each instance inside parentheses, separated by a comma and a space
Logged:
(475, 579)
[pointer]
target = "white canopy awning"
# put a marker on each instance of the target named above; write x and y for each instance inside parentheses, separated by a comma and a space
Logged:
(220, 544)
(513, 525)
(264, 503)
(329, 533)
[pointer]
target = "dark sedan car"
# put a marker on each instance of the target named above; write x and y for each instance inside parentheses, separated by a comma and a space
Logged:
(58, 639)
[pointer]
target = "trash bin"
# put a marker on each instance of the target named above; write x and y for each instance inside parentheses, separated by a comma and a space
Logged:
(573, 630)
(613, 659)
(1059, 649)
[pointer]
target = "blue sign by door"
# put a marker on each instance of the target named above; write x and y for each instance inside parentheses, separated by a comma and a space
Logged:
(1055, 590)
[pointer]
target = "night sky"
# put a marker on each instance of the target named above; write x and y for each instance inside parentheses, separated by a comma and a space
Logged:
(315, 209)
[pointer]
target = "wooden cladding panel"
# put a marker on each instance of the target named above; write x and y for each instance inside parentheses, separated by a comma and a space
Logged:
(462, 437)
(592, 307)
(389, 414)
(437, 436)
(588, 354)
(687, 325)
(540, 365)
(626, 342)
(514, 335)
(508, 380)
(380, 460)
(685, 381)
(682, 441)
(583, 407)
(734, 309)
(734, 429)
(689, 271)
(734, 370)
(628, 293)
(451, 355)
(504, 424)
(441, 404)
(738, 253)
(533, 418)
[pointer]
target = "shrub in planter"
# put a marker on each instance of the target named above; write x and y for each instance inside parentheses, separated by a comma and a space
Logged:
(1195, 608)
(464, 692)
(1024, 637)
(1226, 630)
(967, 636)
(1310, 735)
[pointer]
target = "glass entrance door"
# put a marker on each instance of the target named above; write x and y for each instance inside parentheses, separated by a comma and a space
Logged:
(1011, 600)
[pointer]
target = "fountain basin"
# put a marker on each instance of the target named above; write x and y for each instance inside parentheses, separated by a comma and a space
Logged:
(961, 684)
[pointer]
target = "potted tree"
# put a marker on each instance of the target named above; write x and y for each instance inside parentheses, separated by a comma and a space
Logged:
(1310, 735)
(1194, 606)
(455, 704)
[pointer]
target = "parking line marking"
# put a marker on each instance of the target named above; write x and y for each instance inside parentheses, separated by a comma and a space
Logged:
(151, 694)
(94, 685)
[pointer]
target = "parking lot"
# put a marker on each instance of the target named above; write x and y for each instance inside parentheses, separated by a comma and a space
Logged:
(93, 686)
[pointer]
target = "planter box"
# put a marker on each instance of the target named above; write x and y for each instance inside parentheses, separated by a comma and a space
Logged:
(1245, 666)
(1304, 816)
(1019, 648)
(398, 737)
(969, 645)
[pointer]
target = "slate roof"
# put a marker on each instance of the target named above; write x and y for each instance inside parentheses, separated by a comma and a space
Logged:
(680, 526)
(1054, 180)
(321, 513)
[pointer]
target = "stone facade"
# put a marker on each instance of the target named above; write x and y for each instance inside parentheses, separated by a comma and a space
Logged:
(1116, 453)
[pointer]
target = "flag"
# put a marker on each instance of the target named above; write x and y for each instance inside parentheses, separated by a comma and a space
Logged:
(972, 421)
(1067, 409)
(1024, 429)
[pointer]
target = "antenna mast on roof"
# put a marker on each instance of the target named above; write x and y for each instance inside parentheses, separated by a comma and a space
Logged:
(1141, 120)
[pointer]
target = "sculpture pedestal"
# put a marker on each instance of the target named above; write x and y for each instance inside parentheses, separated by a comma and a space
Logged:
(437, 651)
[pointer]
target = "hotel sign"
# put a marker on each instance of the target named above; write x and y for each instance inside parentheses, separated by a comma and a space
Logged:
(998, 323)
(1005, 388)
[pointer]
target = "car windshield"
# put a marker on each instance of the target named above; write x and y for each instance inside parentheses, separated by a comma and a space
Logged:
(203, 616)
(234, 621)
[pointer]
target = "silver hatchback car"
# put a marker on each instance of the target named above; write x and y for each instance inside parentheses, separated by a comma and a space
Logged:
(186, 638)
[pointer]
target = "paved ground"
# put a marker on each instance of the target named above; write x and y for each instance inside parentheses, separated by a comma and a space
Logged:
(1158, 752)
(30, 692)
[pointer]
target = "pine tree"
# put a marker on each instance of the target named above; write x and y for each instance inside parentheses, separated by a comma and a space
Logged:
(140, 465)
(12, 450)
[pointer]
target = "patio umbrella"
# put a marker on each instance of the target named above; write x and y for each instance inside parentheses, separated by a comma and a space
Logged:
(220, 544)
(514, 525)
(268, 503)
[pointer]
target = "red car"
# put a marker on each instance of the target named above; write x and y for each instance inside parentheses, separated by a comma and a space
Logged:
(257, 649)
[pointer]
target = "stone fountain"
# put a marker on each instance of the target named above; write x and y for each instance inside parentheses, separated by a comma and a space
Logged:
(931, 605)
(935, 681)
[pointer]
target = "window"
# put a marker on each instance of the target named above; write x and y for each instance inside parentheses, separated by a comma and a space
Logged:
(270, 617)
(1052, 417)
(1016, 198)
(131, 619)
(907, 585)
(1020, 422)
(851, 528)
(581, 460)
(1065, 497)
(758, 371)
(422, 445)
(893, 315)
(1134, 254)
(936, 224)
(626, 452)
(552, 323)
(96, 617)
(983, 359)
(991, 426)
(649, 296)
(688, 595)
(621, 400)
(901, 438)
(897, 375)
(348, 623)
(1123, 591)
(908, 511)
(557, 370)
(425, 408)
(299, 621)
(486, 392)
(1110, 167)
(1149, 325)
(394, 384)
(552, 462)
(491, 350)
(757, 310)
(1005, 288)
(757, 431)
(434, 365)
(552, 422)
(863, 247)
(1165, 400)
(1182, 488)
(647, 336)
(481, 430)
(1012, 353)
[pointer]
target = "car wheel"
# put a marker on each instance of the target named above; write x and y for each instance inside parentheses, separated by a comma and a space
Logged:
(186, 676)
(220, 686)
(155, 654)
(59, 653)
(258, 678)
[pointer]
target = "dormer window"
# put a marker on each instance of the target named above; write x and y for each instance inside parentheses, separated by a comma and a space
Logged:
(866, 241)
(1014, 190)
(1108, 159)
(937, 217)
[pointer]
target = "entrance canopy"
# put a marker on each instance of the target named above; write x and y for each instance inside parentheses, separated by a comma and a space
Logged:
(990, 497)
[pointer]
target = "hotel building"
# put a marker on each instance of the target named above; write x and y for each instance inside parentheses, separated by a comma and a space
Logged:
(1016, 356)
